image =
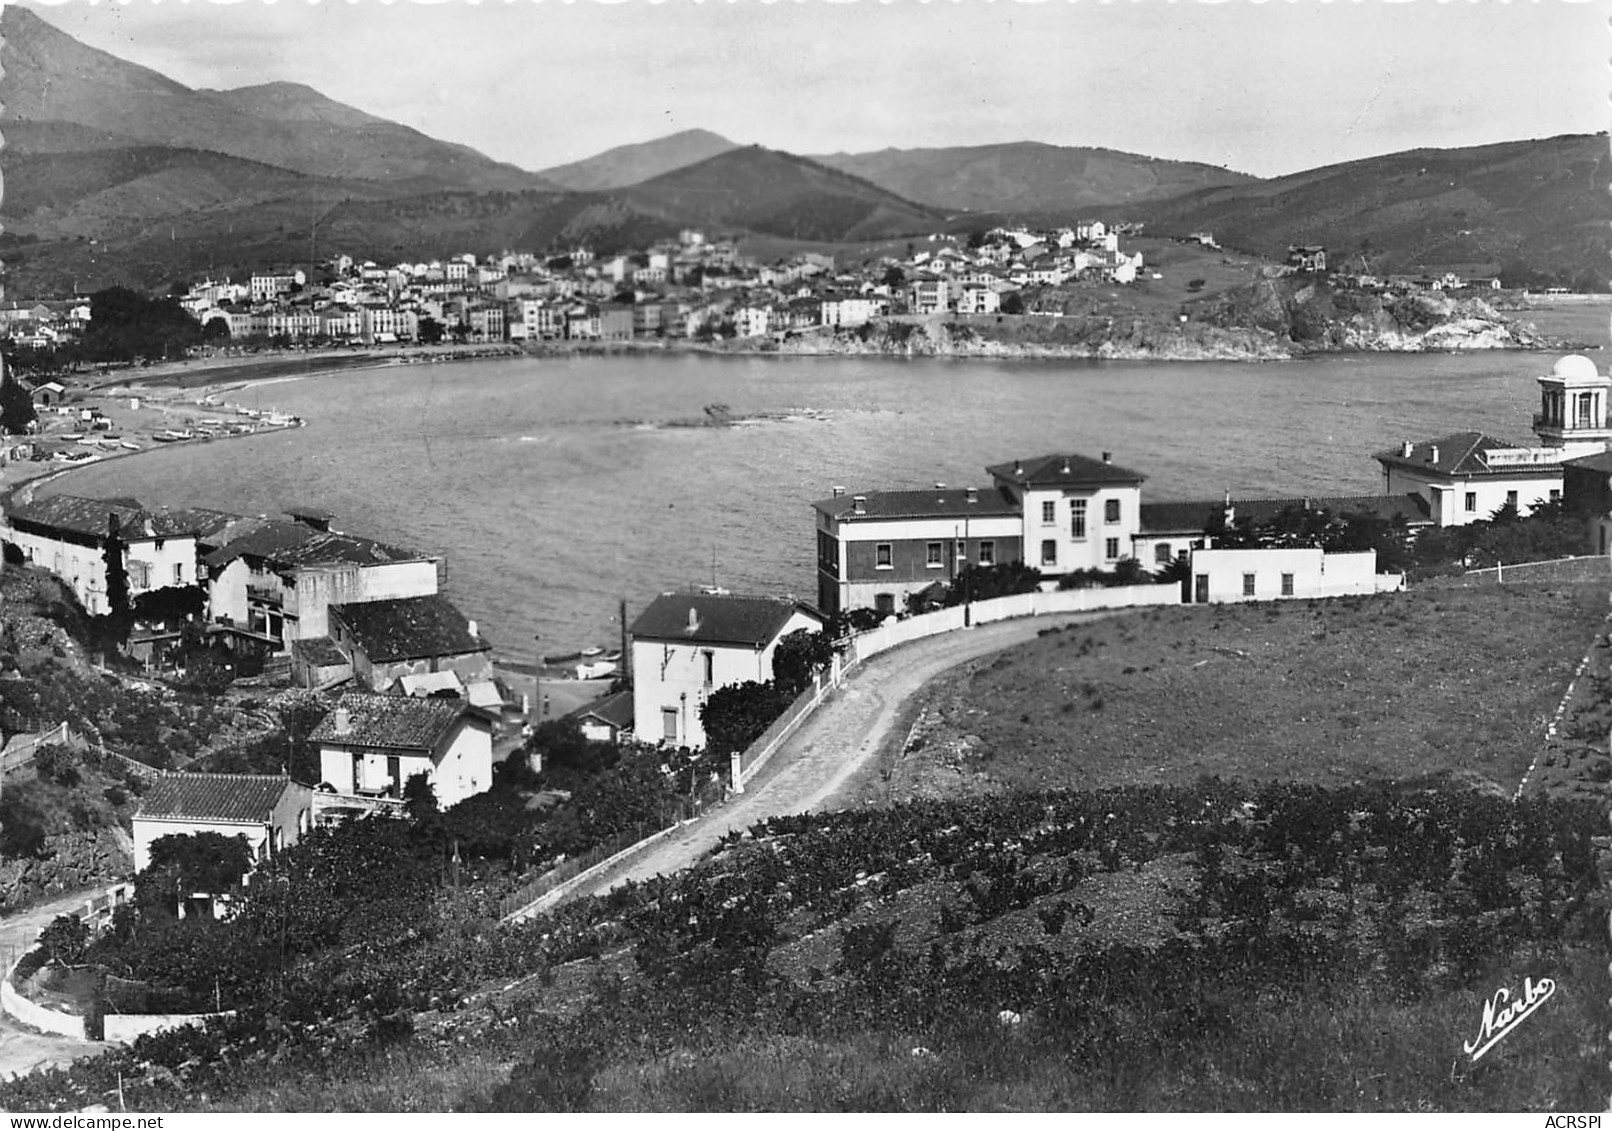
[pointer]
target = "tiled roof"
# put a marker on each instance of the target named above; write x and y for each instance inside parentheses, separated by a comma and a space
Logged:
(409, 628)
(241, 798)
(1460, 454)
(290, 544)
(319, 651)
(717, 618)
(935, 502)
(1063, 470)
(1600, 461)
(89, 517)
(398, 722)
(615, 709)
(1195, 517)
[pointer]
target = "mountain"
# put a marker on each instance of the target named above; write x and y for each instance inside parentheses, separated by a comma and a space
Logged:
(1027, 176)
(1537, 209)
(50, 77)
(764, 190)
(629, 164)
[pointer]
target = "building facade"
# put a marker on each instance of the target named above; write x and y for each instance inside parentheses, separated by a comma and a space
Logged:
(687, 645)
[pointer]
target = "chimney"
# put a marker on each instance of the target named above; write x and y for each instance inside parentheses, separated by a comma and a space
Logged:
(838, 490)
(859, 504)
(1066, 465)
(973, 494)
(1018, 469)
(1405, 449)
(344, 721)
(693, 619)
(1108, 457)
(1432, 454)
(471, 625)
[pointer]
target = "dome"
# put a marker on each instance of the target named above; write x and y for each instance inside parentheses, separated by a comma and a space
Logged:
(1575, 367)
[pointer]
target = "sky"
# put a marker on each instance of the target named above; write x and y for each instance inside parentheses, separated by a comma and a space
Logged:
(1262, 87)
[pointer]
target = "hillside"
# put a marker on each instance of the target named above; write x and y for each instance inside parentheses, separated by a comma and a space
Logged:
(780, 194)
(52, 77)
(1028, 176)
(1534, 210)
(629, 164)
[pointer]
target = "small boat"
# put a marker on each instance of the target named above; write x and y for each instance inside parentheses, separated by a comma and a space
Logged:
(133, 447)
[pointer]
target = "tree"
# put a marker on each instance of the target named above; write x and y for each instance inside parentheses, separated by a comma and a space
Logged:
(183, 865)
(983, 583)
(65, 939)
(799, 657)
(736, 715)
(1012, 303)
(16, 406)
(894, 276)
(419, 799)
(430, 331)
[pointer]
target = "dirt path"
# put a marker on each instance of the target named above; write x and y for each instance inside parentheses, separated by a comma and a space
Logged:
(22, 1049)
(819, 766)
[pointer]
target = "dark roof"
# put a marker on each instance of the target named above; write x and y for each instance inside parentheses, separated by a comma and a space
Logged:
(243, 798)
(935, 502)
(409, 628)
(1600, 461)
(287, 545)
(1460, 454)
(718, 618)
(399, 722)
(318, 651)
(615, 709)
(1182, 518)
(1061, 470)
(1195, 517)
(89, 517)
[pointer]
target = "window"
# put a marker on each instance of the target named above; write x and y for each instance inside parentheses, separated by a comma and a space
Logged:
(1555, 495)
(987, 553)
(1077, 519)
(932, 556)
(710, 666)
(884, 603)
(1049, 552)
(1161, 554)
(1471, 502)
(1049, 513)
(1248, 585)
(1287, 585)
(668, 723)
(1111, 510)
(881, 556)
(179, 573)
(139, 574)
(1110, 548)
(1511, 499)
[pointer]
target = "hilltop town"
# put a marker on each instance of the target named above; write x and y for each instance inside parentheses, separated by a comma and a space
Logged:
(1087, 289)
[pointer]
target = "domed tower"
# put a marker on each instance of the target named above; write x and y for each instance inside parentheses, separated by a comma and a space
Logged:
(1573, 401)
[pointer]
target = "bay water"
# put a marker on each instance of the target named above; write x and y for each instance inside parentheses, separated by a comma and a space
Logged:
(555, 487)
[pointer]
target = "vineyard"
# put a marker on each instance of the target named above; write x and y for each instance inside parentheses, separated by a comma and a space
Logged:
(1114, 947)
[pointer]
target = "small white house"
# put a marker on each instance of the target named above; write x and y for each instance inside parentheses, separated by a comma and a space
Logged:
(370, 745)
(687, 645)
(1220, 576)
(270, 811)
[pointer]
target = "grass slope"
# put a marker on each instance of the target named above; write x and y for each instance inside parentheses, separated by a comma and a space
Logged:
(1399, 686)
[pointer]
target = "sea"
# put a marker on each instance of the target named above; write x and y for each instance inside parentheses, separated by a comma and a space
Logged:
(557, 487)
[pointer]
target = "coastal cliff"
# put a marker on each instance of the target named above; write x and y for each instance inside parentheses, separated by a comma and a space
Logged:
(1272, 319)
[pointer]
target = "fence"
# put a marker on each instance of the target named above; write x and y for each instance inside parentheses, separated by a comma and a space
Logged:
(20, 751)
(618, 845)
(1592, 567)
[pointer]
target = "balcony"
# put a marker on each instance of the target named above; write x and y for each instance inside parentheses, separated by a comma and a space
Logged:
(265, 595)
(1542, 423)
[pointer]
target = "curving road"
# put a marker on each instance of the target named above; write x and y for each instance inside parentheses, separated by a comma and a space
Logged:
(837, 744)
(23, 1049)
